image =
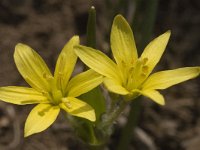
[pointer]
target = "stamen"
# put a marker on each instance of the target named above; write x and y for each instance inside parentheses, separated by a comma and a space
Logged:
(46, 76)
(123, 63)
(49, 97)
(144, 60)
(145, 69)
(44, 93)
(42, 112)
(60, 80)
(143, 75)
(51, 81)
(137, 74)
(60, 74)
(132, 61)
(68, 104)
(61, 65)
(131, 70)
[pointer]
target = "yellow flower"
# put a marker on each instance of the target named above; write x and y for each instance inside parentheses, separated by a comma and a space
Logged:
(51, 92)
(130, 75)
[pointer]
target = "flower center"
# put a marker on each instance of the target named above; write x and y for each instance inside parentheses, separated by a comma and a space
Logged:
(54, 95)
(137, 74)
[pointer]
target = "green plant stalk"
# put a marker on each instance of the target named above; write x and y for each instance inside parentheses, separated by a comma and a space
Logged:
(145, 28)
(130, 125)
(91, 28)
(112, 116)
(94, 140)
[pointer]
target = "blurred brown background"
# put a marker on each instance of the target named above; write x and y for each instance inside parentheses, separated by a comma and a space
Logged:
(47, 25)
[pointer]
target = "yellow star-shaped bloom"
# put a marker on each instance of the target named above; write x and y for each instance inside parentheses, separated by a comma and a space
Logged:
(129, 75)
(52, 92)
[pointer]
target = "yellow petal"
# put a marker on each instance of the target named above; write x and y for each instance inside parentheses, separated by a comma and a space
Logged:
(115, 87)
(154, 50)
(83, 82)
(65, 63)
(154, 95)
(21, 95)
(78, 108)
(97, 61)
(165, 79)
(122, 41)
(40, 118)
(32, 67)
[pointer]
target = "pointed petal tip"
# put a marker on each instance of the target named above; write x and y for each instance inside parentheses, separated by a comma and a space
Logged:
(162, 103)
(198, 69)
(76, 38)
(93, 119)
(19, 46)
(26, 134)
(119, 17)
(167, 33)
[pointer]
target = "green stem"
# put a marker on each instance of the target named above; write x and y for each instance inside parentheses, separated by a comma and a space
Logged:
(131, 124)
(111, 117)
(114, 99)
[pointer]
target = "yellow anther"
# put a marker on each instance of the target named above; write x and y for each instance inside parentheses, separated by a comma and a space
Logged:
(44, 93)
(43, 111)
(131, 70)
(143, 75)
(68, 104)
(123, 63)
(145, 69)
(144, 60)
(47, 76)
(132, 62)
(60, 80)
(60, 74)
(48, 96)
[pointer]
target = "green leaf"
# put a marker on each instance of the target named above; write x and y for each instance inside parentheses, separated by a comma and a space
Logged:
(95, 99)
